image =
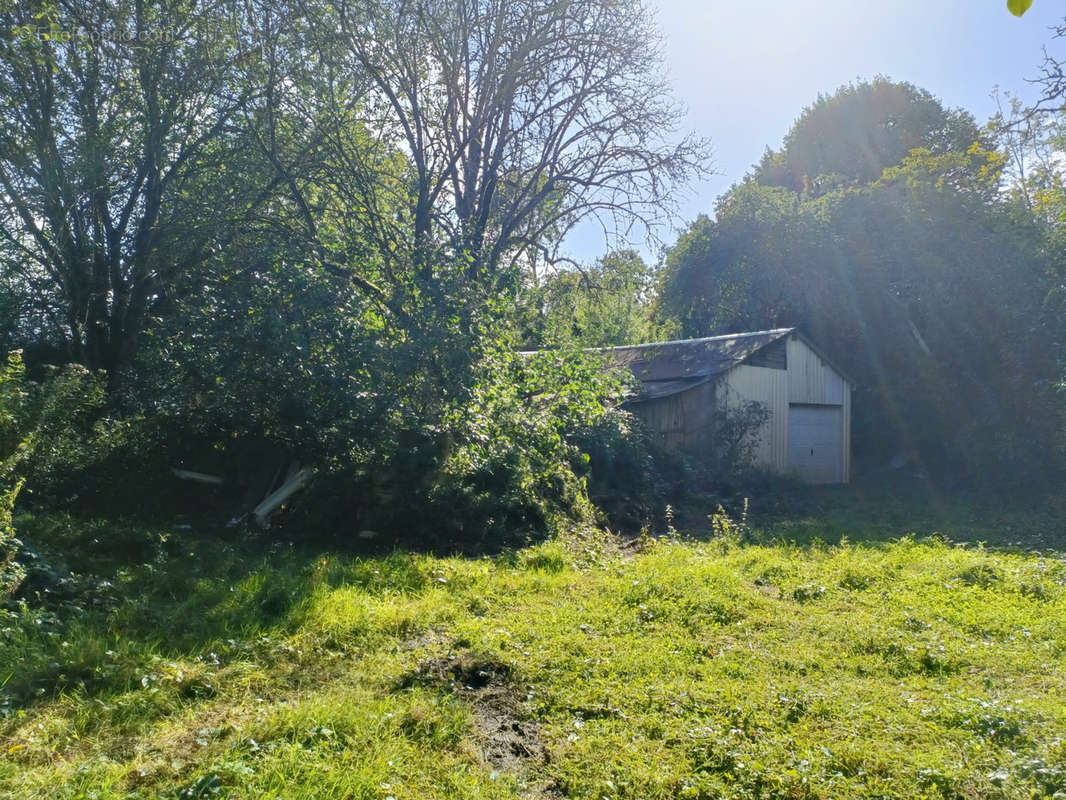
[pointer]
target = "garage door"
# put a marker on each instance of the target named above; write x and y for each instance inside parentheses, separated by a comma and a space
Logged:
(816, 443)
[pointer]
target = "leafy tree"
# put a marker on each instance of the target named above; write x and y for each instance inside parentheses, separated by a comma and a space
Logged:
(362, 320)
(733, 273)
(465, 139)
(303, 226)
(607, 304)
(125, 157)
(848, 138)
(1034, 139)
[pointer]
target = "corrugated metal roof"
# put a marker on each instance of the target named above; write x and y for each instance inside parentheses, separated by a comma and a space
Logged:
(666, 368)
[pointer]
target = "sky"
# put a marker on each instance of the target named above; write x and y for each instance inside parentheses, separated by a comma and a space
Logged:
(745, 70)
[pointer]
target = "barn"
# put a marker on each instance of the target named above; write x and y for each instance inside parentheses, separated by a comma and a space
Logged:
(683, 384)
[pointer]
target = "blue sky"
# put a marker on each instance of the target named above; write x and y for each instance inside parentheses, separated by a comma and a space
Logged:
(746, 69)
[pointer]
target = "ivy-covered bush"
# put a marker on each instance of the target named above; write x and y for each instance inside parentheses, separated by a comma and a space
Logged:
(520, 460)
(50, 431)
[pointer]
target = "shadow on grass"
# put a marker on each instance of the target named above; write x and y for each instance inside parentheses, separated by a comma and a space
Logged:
(881, 510)
(103, 598)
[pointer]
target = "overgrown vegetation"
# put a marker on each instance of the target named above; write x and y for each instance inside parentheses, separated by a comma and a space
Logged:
(251, 239)
(883, 230)
(154, 662)
(284, 245)
(48, 430)
(274, 231)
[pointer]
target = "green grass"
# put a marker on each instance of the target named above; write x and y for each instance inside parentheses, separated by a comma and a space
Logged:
(179, 665)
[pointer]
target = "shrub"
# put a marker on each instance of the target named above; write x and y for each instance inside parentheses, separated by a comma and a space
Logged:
(49, 432)
(11, 572)
(628, 478)
(508, 464)
(65, 433)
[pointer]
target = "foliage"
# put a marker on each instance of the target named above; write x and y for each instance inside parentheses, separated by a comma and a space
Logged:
(629, 478)
(921, 285)
(604, 305)
(344, 301)
(39, 429)
(12, 403)
(11, 572)
(350, 152)
(725, 275)
(68, 436)
(516, 466)
(734, 436)
(432, 429)
(1033, 140)
(848, 138)
(906, 668)
(50, 435)
(975, 172)
(124, 124)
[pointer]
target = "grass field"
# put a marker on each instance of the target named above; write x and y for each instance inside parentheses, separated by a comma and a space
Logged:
(162, 663)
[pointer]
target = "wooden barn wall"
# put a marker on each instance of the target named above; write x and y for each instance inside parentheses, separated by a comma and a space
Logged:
(681, 420)
(812, 380)
(770, 387)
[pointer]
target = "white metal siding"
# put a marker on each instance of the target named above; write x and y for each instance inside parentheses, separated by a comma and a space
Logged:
(813, 381)
(810, 379)
(769, 387)
(847, 433)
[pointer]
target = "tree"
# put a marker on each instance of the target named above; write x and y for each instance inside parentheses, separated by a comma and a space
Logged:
(465, 139)
(927, 298)
(605, 305)
(1052, 81)
(848, 138)
(1035, 141)
(125, 156)
(515, 120)
(364, 318)
(734, 273)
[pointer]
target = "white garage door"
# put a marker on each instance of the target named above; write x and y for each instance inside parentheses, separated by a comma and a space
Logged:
(816, 443)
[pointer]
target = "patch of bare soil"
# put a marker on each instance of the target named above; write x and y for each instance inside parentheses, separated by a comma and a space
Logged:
(431, 637)
(507, 739)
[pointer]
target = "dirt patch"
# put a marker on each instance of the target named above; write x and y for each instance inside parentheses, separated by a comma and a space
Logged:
(462, 672)
(431, 637)
(507, 739)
